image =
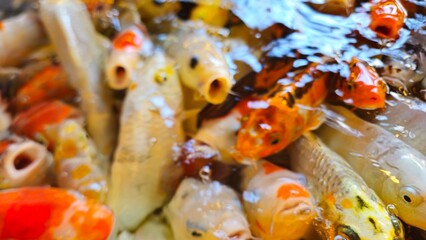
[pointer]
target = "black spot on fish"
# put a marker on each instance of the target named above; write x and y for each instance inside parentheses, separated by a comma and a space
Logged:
(298, 93)
(290, 100)
(196, 234)
(361, 203)
(194, 62)
(371, 220)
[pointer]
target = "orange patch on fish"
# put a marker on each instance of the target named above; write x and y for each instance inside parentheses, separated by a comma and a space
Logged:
(38, 213)
(270, 168)
(292, 190)
(1, 25)
(330, 198)
(81, 171)
(128, 40)
(35, 120)
(346, 203)
(49, 84)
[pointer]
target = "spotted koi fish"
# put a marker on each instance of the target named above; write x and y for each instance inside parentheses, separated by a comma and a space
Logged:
(32, 123)
(349, 208)
(387, 18)
(363, 88)
(52, 213)
(273, 121)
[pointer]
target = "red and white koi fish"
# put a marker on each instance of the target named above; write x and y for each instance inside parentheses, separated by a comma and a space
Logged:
(129, 48)
(52, 213)
(277, 202)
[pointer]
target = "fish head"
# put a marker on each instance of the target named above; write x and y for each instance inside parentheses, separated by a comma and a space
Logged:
(360, 214)
(363, 88)
(387, 18)
(203, 67)
(278, 203)
(408, 202)
(262, 133)
(294, 212)
(406, 190)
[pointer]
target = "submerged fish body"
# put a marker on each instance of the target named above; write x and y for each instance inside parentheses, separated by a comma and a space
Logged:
(150, 129)
(349, 208)
(204, 211)
(393, 169)
(281, 116)
(405, 117)
(277, 202)
(52, 213)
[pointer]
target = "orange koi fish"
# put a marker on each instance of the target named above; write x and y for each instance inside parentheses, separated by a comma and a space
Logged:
(363, 88)
(52, 213)
(281, 116)
(49, 84)
(32, 123)
(387, 18)
(277, 202)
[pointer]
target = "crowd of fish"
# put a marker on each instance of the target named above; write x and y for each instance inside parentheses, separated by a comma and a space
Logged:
(213, 119)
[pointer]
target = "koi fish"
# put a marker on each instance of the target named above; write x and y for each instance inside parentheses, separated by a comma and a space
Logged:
(220, 133)
(49, 84)
(269, 124)
(128, 49)
(404, 118)
(210, 14)
(277, 203)
(363, 88)
(393, 169)
(350, 210)
(338, 7)
(387, 18)
(82, 54)
(202, 161)
(201, 210)
(19, 36)
(149, 133)
(77, 163)
(52, 213)
(154, 227)
(201, 64)
(33, 122)
(405, 66)
(23, 163)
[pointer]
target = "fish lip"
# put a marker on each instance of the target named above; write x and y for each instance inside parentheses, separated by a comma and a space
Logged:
(300, 207)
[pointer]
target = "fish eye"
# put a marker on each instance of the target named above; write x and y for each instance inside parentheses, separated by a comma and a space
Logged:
(346, 233)
(410, 196)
